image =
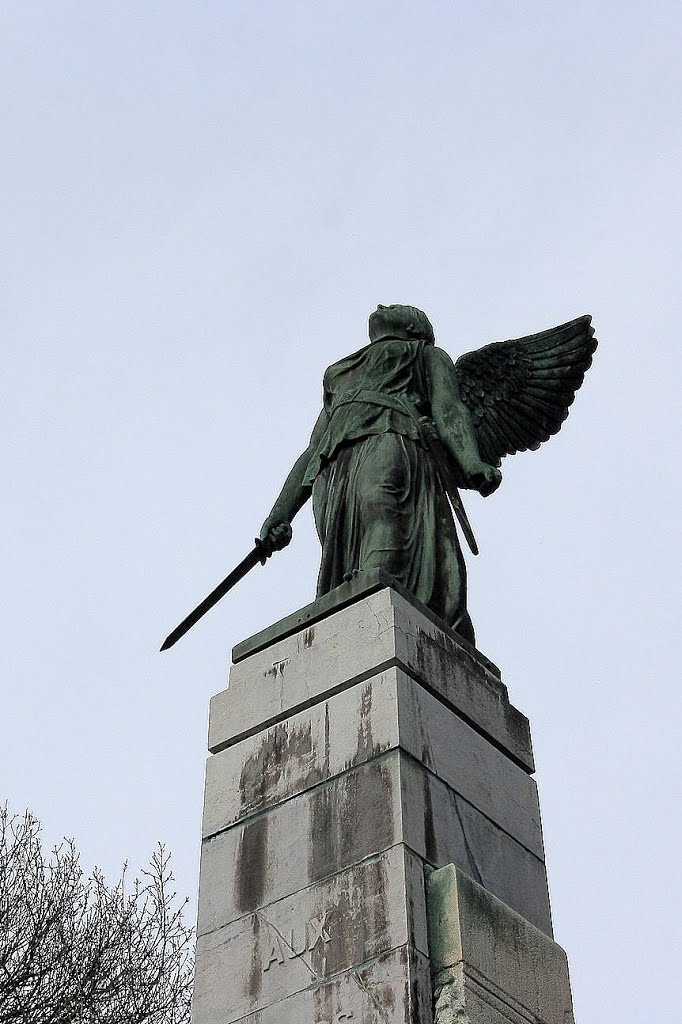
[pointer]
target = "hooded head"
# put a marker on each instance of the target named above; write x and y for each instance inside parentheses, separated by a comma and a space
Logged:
(404, 322)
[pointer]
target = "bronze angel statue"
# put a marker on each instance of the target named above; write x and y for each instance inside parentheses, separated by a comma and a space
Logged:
(402, 428)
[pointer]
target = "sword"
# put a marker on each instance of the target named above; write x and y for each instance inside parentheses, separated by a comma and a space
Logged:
(445, 473)
(462, 518)
(246, 565)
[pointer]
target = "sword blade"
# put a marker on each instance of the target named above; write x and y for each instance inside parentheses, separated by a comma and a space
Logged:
(440, 458)
(462, 518)
(245, 566)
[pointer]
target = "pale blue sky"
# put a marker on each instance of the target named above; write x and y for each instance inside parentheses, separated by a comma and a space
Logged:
(201, 203)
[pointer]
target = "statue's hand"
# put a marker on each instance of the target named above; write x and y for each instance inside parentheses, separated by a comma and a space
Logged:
(485, 479)
(275, 534)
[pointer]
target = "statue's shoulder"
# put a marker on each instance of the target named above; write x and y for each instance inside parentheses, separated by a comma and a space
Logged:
(346, 363)
(437, 360)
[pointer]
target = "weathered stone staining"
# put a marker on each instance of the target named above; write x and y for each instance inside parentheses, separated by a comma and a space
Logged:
(351, 758)
(286, 948)
(350, 645)
(488, 963)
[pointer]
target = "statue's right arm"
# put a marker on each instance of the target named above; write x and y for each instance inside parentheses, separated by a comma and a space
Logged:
(276, 530)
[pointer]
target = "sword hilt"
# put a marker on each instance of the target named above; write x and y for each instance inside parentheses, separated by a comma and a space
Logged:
(260, 550)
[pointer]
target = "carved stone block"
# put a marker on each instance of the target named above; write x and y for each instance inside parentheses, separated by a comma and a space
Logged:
(394, 988)
(327, 828)
(489, 964)
(302, 941)
(361, 640)
(367, 719)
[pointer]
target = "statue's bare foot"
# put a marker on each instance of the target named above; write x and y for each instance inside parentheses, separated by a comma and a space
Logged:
(348, 576)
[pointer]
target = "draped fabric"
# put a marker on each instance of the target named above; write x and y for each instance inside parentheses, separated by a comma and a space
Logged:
(377, 498)
(392, 368)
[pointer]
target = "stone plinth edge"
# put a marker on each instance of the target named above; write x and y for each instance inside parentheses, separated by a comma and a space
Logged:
(487, 962)
(375, 631)
(360, 586)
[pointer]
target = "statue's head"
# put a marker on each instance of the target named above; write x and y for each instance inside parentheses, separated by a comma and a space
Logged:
(405, 322)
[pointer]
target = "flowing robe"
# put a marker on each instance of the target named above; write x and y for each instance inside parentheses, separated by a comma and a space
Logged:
(377, 499)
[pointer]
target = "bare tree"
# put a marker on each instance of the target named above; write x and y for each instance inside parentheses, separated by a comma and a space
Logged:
(76, 951)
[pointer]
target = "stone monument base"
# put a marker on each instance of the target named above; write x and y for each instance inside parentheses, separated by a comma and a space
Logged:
(359, 747)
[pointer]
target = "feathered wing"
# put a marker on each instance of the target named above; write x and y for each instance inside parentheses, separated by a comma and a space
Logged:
(519, 391)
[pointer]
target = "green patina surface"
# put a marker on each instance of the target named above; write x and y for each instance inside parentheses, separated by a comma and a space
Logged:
(401, 428)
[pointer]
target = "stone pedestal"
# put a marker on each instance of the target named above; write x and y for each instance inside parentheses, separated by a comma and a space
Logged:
(358, 747)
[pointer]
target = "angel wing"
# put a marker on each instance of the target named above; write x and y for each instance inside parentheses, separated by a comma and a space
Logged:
(519, 391)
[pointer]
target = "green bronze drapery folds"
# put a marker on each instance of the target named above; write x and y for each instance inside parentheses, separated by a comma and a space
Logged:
(401, 428)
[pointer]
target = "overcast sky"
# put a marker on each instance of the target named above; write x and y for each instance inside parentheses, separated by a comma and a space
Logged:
(201, 203)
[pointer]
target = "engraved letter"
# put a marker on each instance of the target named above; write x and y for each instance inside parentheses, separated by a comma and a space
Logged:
(275, 953)
(292, 944)
(317, 931)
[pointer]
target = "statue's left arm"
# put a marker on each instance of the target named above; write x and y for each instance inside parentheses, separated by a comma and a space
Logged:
(454, 424)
